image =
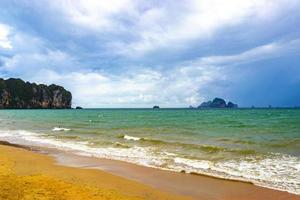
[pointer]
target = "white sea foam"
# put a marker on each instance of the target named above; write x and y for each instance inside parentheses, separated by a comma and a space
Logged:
(275, 171)
(194, 164)
(134, 154)
(168, 153)
(60, 129)
(128, 137)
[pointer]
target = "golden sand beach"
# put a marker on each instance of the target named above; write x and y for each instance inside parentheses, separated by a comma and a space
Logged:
(27, 175)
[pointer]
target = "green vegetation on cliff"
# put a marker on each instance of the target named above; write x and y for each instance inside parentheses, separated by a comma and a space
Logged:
(15, 93)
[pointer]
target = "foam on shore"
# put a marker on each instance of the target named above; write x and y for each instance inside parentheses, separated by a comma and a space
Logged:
(277, 171)
(20, 179)
(128, 137)
(60, 129)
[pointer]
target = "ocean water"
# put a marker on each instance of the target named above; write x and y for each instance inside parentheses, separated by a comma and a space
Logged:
(257, 145)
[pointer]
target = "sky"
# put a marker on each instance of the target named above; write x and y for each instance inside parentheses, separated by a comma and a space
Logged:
(140, 53)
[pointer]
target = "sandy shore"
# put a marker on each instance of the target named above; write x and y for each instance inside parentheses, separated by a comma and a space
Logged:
(28, 175)
(25, 174)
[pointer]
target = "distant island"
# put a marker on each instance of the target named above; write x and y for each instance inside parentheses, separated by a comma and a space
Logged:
(217, 103)
(18, 94)
(155, 107)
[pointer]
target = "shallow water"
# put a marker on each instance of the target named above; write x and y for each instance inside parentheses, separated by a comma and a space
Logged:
(257, 145)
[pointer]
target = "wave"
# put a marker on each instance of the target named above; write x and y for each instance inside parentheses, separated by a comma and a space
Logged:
(277, 171)
(73, 137)
(196, 164)
(128, 137)
(202, 147)
(60, 129)
(118, 144)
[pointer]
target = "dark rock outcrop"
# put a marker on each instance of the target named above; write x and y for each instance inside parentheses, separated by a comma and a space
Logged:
(15, 93)
(231, 105)
(155, 107)
(78, 107)
(205, 104)
(217, 103)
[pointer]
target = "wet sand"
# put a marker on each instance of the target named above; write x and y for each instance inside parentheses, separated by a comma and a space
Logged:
(125, 179)
(195, 186)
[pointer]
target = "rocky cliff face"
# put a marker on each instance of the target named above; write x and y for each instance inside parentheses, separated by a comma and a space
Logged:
(15, 93)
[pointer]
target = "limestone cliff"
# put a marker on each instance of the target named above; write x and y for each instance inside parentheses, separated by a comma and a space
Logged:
(15, 93)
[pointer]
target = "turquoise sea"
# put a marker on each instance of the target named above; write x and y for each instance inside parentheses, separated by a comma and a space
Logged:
(257, 145)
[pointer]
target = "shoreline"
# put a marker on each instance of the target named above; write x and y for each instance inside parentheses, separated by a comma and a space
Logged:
(51, 145)
(196, 186)
(26, 174)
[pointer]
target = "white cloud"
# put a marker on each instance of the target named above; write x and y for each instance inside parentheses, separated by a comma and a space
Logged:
(5, 42)
(133, 28)
(92, 14)
(30, 54)
(22, 63)
(271, 50)
(174, 26)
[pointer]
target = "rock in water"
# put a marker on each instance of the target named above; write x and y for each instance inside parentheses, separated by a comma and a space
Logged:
(205, 104)
(217, 103)
(155, 107)
(15, 93)
(231, 105)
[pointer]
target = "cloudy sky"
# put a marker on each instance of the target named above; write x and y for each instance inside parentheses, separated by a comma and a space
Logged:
(138, 53)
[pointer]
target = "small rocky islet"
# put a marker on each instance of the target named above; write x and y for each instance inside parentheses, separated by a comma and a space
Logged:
(217, 103)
